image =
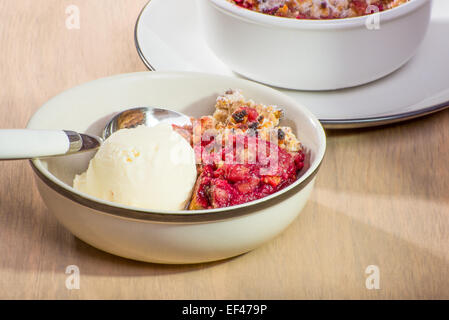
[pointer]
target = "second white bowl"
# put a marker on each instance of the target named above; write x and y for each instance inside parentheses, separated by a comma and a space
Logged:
(314, 54)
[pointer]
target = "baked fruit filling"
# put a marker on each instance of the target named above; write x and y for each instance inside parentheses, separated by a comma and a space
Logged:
(242, 153)
(221, 184)
(318, 9)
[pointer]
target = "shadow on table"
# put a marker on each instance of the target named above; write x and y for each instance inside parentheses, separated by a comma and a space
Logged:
(125, 267)
(407, 159)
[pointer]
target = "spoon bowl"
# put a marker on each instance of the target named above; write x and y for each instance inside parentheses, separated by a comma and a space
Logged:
(146, 116)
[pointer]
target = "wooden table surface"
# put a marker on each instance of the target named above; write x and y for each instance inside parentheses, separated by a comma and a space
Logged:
(381, 198)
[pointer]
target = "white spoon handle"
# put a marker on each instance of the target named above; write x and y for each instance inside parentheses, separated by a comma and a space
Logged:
(28, 144)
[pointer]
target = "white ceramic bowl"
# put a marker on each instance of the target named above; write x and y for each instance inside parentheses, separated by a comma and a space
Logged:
(314, 54)
(166, 236)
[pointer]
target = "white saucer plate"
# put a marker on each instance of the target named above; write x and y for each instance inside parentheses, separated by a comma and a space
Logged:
(168, 37)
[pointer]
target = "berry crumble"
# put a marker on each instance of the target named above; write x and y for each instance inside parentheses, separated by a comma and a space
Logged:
(242, 152)
(318, 9)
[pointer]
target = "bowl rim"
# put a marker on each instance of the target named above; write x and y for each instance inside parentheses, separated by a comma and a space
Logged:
(182, 216)
(317, 24)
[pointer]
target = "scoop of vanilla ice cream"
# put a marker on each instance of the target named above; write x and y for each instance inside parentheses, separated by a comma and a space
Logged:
(146, 167)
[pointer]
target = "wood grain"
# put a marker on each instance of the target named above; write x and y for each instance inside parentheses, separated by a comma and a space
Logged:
(382, 195)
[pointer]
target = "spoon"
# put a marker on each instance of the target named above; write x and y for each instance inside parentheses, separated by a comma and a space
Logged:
(29, 143)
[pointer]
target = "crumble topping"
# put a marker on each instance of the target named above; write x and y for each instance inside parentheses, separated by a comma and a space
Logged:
(233, 112)
(318, 9)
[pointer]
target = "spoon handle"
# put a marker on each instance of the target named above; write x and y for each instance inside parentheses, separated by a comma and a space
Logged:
(29, 144)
